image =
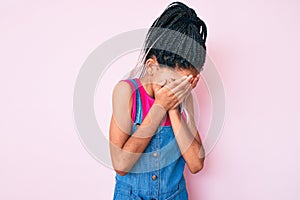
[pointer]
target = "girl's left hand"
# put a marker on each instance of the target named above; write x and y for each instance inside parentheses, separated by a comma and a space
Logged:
(193, 82)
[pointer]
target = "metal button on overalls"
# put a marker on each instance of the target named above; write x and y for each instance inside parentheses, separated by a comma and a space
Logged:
(154, 177)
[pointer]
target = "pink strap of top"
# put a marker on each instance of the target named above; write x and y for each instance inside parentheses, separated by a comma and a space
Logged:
(147, 102)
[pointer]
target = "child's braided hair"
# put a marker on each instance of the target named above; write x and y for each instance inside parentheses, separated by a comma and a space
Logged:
(182, 19)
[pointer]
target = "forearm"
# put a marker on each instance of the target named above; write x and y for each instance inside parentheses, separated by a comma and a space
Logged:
(192, 149)
(135, 145)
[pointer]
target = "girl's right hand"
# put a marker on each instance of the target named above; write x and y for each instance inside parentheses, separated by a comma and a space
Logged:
(172, 94)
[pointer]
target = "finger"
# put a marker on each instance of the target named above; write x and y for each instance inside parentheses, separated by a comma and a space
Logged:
(187, 89)
(183, 85)
(181, 96)
(195, 81)
(173, 84)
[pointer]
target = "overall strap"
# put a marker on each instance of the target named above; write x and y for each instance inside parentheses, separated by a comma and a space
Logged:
(139, 111)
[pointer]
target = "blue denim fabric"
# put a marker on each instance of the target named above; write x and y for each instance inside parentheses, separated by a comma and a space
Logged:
(158, 174)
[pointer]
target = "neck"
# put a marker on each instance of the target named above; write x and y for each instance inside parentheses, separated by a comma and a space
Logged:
(147, 84)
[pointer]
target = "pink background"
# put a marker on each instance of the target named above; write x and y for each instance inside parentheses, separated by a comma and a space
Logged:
(254, 45)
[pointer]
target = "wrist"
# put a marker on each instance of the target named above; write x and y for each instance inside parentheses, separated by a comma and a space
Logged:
(159, 109)
(160, 105)
(173, 111)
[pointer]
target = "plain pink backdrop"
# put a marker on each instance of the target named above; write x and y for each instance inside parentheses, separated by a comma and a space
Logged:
(254, 45)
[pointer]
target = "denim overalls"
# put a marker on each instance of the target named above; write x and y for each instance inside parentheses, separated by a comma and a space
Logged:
(158, 174)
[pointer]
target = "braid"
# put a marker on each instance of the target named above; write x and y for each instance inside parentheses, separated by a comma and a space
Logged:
(182, 19)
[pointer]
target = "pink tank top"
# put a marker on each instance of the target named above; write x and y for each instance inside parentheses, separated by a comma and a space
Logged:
(147, 102)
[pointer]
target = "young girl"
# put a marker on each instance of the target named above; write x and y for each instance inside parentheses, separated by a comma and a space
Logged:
(152, 130)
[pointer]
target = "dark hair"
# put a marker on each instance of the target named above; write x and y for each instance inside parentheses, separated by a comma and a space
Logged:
(182, 19)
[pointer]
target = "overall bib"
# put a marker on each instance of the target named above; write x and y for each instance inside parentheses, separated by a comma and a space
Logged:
(158, 173)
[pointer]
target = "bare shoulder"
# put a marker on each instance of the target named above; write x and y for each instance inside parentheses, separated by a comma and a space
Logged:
(120, 126)
(122, 104)
(122, 89)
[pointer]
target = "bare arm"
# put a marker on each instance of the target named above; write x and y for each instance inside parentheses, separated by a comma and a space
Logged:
(126, 149)
(188, 138)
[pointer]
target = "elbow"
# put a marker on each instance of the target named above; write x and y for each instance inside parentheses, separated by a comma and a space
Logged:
(121, 173)
(197, 167)
(117, 164)
(121, 170)
(199, 164)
